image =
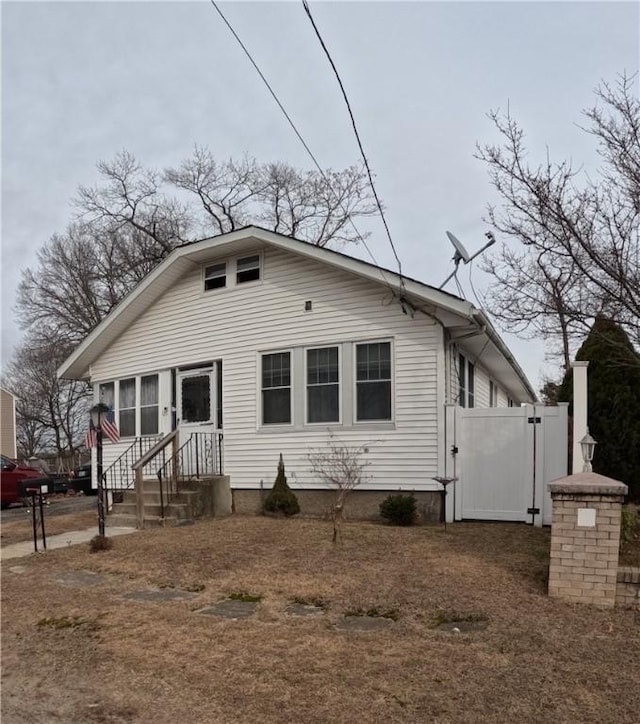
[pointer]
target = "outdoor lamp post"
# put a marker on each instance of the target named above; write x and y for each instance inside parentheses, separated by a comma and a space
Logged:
(98, 412)
(588, 445)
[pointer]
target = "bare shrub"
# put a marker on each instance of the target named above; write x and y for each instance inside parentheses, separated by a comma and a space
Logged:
(341, 468)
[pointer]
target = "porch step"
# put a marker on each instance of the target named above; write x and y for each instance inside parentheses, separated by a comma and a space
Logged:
(180, 509)
(150, 521)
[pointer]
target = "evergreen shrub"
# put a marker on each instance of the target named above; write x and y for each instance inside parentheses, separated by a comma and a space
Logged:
(399, 509)
(281, 498)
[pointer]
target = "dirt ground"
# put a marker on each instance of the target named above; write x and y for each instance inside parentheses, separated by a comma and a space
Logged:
(76, 650)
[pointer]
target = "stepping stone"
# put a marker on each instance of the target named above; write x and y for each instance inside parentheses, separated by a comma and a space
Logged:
(78, 578)
(165, 594)
(18, 569)
(364, 623)
(230, 609)
(303, 609)
(462, 626)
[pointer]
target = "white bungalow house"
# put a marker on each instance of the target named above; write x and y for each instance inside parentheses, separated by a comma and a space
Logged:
(270, 345)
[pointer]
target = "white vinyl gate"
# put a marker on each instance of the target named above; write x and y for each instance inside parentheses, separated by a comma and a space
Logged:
(503, 458)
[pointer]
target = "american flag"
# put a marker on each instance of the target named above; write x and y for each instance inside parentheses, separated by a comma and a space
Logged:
(109, 428)
(90, 439)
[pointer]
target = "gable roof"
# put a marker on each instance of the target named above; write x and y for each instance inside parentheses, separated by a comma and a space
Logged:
(462, 320)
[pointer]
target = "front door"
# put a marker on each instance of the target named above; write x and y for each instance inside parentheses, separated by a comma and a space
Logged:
(196, 403)
(199, 410)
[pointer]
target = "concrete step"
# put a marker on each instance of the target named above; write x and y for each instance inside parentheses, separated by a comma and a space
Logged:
(123, 509)
(150, 521)
(121, 520)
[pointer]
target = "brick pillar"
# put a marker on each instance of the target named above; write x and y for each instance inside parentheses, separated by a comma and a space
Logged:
(585, 538)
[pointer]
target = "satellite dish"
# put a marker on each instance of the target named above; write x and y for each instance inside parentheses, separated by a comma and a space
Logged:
(461, 252)
(463, 255)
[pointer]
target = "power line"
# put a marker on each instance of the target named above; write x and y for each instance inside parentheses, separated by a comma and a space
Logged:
(301, 139)
(355, 130)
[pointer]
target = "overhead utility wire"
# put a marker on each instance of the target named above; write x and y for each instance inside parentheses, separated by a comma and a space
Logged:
(298, 134)
(355, 130)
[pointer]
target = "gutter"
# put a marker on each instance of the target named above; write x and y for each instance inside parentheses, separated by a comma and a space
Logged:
(481, 319)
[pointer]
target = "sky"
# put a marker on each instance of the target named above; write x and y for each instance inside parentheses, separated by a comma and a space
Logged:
(83, 80)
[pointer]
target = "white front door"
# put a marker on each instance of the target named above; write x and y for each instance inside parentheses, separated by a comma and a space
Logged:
(196, 401)
(199, 408)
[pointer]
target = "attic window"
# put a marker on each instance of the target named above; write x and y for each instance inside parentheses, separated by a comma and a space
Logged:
(215, 276)
(248, 269)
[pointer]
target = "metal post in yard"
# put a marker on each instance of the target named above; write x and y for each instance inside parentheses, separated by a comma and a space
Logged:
(32, 492)
(100, 483)
(44, 537)
(444, 482)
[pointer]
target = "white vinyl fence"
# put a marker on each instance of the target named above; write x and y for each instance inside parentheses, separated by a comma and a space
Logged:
(503, 458)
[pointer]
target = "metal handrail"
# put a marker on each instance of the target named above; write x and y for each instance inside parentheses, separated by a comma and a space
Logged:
(119, 475)
(153, 452)
(199, 456)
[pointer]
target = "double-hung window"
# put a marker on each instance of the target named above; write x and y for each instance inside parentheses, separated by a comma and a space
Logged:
(248, 269)
(276, 388)
(466, 382)
(107, 396)
(493, 394)
(471, 384)
(215, 276)
(149, 405)
(127, 406)
(373, 381)
(323, 385)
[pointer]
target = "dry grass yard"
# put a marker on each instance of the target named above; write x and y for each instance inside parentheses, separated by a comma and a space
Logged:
(21, 529)
(83, 653)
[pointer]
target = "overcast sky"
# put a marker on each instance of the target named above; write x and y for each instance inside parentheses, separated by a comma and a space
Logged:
(83, 80)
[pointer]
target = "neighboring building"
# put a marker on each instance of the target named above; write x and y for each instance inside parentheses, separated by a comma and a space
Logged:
(7, 424)
(279, 342)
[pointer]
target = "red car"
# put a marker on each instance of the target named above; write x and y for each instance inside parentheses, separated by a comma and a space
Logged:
(14, 478)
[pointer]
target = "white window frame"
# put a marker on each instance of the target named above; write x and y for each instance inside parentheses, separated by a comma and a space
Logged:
(466, 395)
(138, 403)
(136, 399)
(361, 343)
(493, 394)
(224, 275)
(156, 404)
(239, 282)
(291, 387)
(306, 385)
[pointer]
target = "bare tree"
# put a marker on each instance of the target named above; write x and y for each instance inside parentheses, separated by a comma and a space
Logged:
(127, 223)
(581, 248)
(341, 468)
(317, 207)
(50, 413)
(133, 197)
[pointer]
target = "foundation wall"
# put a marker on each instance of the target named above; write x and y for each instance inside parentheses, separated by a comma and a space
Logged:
(361, 504)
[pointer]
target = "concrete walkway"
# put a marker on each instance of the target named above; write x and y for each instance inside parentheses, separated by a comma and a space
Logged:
(62, 540)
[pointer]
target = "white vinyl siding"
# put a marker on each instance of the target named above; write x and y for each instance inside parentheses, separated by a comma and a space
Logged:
(186, 326)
